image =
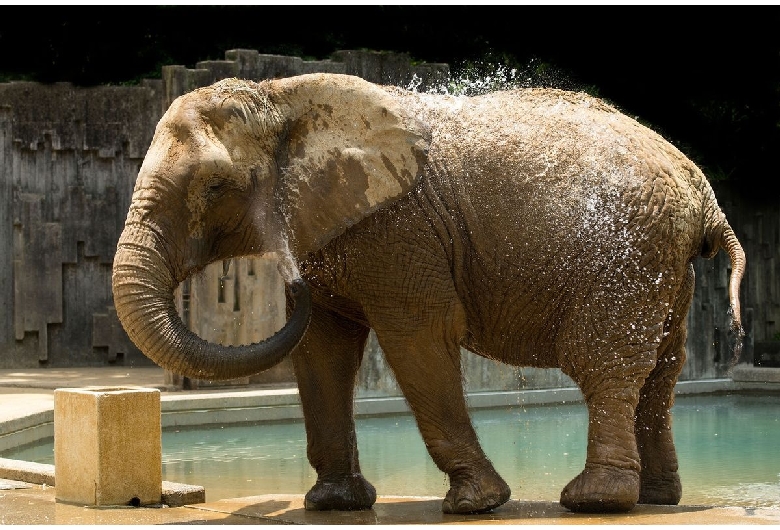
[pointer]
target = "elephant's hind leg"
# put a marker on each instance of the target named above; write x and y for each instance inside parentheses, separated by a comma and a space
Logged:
(610, 371)
(326, 364)
(610, 481)
(660, 482)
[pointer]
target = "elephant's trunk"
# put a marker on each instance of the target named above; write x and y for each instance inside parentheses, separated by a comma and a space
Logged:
(143, 285)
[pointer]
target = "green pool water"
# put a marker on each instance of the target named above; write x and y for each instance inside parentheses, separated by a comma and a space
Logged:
(728, 447)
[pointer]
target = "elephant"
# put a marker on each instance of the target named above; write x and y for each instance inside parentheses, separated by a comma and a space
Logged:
(536, 227)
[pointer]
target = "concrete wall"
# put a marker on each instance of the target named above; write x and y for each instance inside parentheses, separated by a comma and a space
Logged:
(68, 161)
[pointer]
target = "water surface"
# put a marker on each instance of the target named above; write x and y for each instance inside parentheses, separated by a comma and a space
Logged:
(727, 446)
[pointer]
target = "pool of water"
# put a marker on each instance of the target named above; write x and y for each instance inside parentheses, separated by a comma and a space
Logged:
(728, 447)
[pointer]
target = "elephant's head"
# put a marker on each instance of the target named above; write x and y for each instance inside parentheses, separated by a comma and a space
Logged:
(241, 168)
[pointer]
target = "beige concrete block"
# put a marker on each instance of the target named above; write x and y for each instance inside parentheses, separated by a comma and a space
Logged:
(107, 446)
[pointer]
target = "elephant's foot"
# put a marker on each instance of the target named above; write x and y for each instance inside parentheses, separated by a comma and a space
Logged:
(664, 489)
(600, 489)
(476, 494)
(350, 493)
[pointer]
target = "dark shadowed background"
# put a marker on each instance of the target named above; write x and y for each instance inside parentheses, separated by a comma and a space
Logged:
(707, 78)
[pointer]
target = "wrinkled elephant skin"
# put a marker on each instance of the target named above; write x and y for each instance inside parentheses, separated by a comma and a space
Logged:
(535, 227)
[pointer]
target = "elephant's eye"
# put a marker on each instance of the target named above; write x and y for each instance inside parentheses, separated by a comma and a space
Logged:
(215, 185)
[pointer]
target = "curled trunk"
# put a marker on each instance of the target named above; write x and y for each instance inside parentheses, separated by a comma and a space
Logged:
(143, 287)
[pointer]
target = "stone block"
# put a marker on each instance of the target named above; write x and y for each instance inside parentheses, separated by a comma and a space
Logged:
(107, 446)
(175, 494)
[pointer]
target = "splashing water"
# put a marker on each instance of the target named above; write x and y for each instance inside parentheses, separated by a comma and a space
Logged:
(482, 77)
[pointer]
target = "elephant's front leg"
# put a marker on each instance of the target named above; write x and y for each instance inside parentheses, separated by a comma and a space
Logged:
(326, 364)
(426, 363)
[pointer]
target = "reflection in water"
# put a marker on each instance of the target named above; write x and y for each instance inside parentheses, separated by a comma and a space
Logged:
(727, 446)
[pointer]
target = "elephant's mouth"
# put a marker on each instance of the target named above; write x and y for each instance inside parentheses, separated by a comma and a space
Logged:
(143, 286)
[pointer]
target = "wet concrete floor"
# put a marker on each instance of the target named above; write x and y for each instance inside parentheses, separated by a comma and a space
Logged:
(33, 504)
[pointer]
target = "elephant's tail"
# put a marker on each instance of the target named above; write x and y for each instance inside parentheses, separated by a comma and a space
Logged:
(719, 234)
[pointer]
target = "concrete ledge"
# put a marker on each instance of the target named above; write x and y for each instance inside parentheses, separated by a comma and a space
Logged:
(173, 493)
(26, 435)
(185, 401)
(185, 409)
(745, 373)
(27, 471)
(284, 404)
(704, 386)
(25, 417)
(25, 422)
(513, 398)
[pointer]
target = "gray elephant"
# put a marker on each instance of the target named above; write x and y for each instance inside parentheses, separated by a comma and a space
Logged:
(535, 227)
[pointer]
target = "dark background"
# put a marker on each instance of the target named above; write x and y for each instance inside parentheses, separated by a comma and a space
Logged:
(706, 77)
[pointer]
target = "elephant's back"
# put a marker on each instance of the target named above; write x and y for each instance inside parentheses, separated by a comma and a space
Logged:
(564, 198)
(563, 159)
(547, 134)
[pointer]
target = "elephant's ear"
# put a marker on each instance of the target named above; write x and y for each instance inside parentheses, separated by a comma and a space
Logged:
(351, 148)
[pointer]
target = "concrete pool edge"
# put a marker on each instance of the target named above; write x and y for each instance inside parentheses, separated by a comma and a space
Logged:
(173, 493)
(34, 421)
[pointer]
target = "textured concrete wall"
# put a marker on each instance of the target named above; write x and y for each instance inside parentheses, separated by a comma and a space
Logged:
(68, 161)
